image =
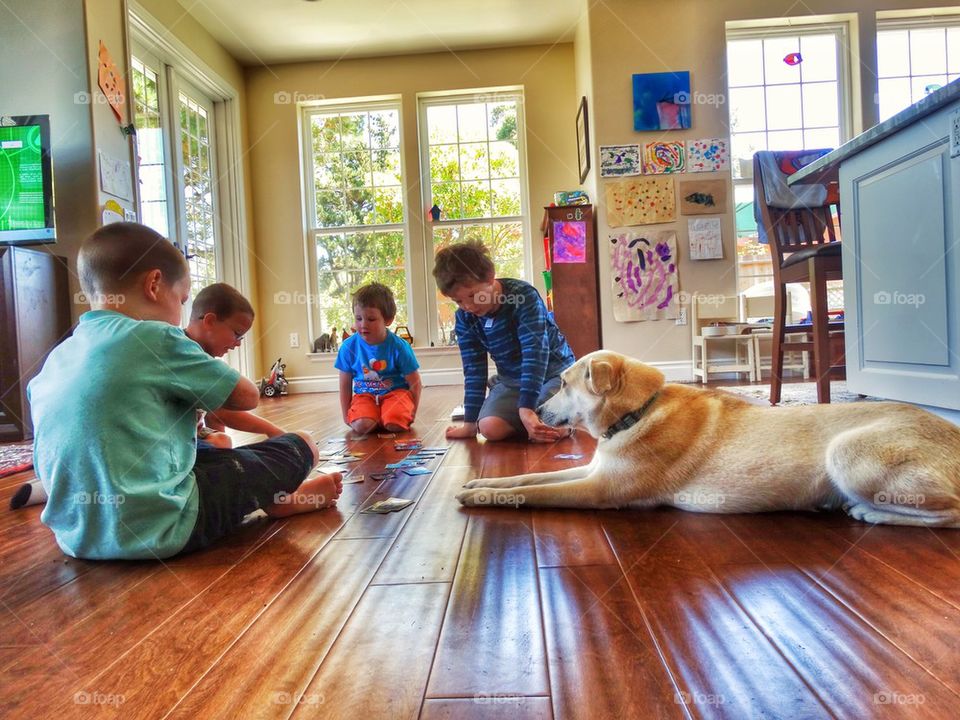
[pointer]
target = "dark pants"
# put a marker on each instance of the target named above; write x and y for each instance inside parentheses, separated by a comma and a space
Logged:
(233, 483)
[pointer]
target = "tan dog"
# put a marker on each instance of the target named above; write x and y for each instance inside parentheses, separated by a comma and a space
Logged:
(710, 451)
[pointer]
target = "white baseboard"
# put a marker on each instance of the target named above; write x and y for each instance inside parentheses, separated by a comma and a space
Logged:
(675, 371)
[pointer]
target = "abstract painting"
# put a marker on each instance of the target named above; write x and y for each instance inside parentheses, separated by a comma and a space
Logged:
(703, 197)
(619, 160)
(641, 201)
(661, 101)
(662, 157)
(570, 242)
(704, 236)
(707, 155)
(643, 271)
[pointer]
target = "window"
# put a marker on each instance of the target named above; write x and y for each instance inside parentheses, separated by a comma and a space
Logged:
(914, 59)
(152, 166)
(198, 187)
(471, 146)
(473, 170)
(787, 91)
(357, 230)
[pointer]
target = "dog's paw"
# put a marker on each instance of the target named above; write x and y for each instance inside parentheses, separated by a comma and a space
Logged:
(474, 483)
(473, 498)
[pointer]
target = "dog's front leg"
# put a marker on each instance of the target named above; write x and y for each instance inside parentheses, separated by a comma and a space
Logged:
(555, 476)
(591, 491)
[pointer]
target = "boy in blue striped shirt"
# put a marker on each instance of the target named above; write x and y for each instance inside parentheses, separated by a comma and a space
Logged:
(506, 319)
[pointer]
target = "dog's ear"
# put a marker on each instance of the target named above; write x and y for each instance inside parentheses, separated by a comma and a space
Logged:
(599, 376)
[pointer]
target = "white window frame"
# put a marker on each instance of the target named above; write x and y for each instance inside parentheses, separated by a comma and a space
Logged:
(312, 231)
(886, 24)
(429, 99)
(149, 35)
(789, 28)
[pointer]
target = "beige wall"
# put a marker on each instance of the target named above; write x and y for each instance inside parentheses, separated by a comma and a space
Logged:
(547, 76)
(630, 36)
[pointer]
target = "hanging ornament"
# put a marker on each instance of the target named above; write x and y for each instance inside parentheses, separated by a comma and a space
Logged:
(793, 59)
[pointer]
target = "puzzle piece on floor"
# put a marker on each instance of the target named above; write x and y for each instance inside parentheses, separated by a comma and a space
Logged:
(415, 471)
(382, 476)
(408, 445)
(387, 506)
(568, 456)
(350, 479)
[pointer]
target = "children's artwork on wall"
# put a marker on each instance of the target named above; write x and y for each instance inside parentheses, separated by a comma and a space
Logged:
(110, 82)
(570, 242)
(643, 271)
(707, 155)
(661, 101)
(703, 197)
(662, 157)
(705, 242)
(641, 201)
(619, 160)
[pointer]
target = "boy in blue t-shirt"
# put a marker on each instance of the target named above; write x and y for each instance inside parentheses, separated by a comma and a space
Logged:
(115, 410)
(379, 378)
(507, 320)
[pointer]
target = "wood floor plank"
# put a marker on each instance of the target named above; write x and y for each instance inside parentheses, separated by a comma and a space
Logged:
(429, 545)
(278, 655)
(568, 538)
(492, 638)
(363, 675)
(589, 613)
(722, 665)
(488, 708)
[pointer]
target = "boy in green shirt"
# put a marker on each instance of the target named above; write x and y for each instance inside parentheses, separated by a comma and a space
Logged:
(114, 411)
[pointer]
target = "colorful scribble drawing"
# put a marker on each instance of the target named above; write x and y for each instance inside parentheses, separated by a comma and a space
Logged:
(619, 160)
(663, 157)
(570, 242)
(707, 155)
(643, 269)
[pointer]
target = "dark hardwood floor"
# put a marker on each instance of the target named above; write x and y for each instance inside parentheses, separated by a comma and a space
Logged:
(438, 612)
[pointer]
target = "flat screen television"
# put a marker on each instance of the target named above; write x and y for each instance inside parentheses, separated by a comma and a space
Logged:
(26, 180)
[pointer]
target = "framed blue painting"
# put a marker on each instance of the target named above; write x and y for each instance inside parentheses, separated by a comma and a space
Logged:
(661, 101)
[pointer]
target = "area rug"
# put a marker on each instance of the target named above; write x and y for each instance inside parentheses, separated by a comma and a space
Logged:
(15, 457)
(798, 393)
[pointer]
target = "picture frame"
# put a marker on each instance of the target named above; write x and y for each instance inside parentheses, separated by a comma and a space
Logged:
(583, 140)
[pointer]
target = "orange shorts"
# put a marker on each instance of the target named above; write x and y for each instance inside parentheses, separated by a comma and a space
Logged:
(395, 408)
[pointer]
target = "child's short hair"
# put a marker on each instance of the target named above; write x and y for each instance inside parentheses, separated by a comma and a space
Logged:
(220, 299)
(376, 295)
(114, 256)
(467, 262)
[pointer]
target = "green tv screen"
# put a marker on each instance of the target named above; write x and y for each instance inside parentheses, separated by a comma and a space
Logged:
(25, 186)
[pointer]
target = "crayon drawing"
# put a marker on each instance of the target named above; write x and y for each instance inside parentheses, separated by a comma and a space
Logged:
(570, 242)
(641, 201)
(643, 272)
(619, 160)
(661, 101)
(707, 155)
(703, 197)
(662, 157)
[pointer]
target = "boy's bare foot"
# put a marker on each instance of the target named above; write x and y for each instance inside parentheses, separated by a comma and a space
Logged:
(315, 493)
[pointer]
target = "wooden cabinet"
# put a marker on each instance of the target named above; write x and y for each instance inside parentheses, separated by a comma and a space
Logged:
(571, 249)
(34, 317)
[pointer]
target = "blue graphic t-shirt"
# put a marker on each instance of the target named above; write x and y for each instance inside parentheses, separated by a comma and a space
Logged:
(377, 369)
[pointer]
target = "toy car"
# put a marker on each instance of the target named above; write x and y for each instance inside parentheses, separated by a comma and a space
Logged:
(276, 383)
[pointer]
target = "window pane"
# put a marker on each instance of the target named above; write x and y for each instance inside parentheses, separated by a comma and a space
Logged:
(353, 132)
(446, 196)
(356, 169)
(502, 119)
(386, 167)
(444, 163)
(953, 49)
(506, 197)
(894, 96)
(474, 161)
(776, 71)
(359, 207)
(331, 209)
(783, 107)
(820, 105)
(747, 109)
(928, 51)
(328, 170)
(506, 246)
(785, 140)
(442, 124)
(504, 160)
(821, 138)
(385, 129)
(476, 198)
(923, 85)
(744, 62)
(472, 122)
(742, 148)
(893, 53)
(388, 204)
(819, 53)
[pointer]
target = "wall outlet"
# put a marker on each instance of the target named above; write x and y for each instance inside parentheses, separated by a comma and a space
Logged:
(955, 134)
(294, 340)
(682, 317)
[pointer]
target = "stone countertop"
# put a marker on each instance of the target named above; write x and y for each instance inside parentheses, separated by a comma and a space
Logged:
(827, 166)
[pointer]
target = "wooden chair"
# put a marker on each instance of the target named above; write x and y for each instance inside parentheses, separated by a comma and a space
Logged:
(805, 248)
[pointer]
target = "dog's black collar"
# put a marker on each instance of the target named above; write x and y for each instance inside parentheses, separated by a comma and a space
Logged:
(630, 419)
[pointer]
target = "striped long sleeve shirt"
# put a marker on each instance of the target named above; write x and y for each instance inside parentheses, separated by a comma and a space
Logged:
(525, 343)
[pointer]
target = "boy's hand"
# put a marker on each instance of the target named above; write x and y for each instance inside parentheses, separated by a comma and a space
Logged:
(467, 430)
(537, 431)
